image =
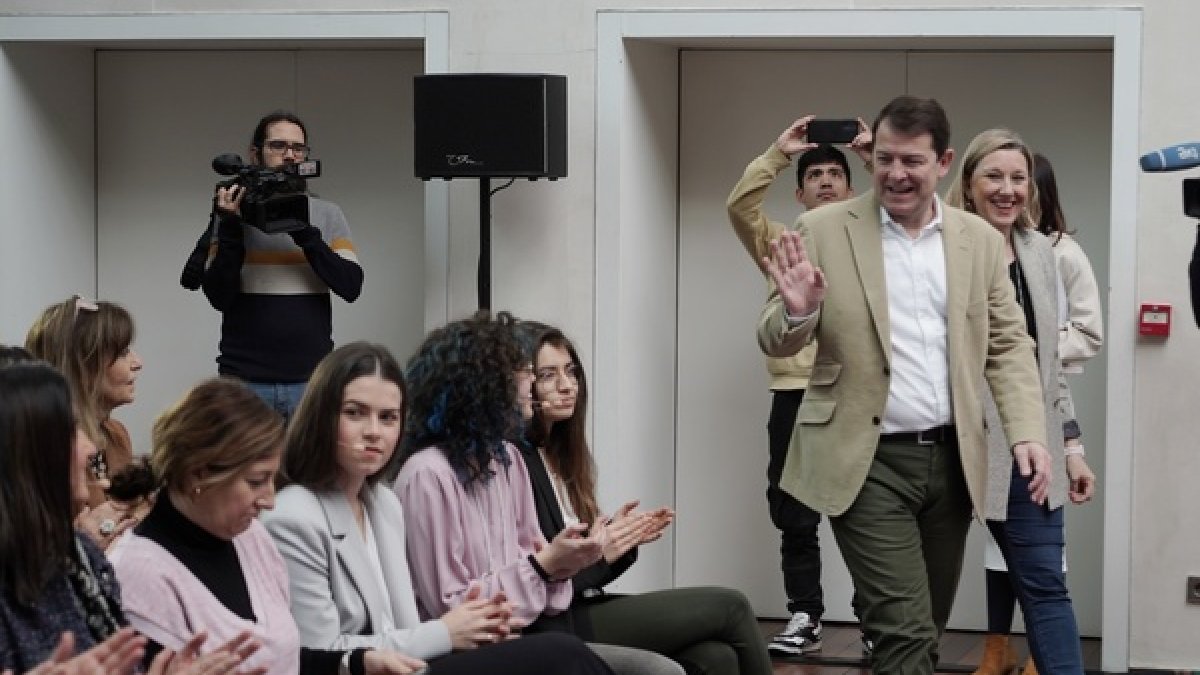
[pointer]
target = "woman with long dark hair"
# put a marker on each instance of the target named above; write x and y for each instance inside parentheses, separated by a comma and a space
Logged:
(341, 532)
(1082, 334)
(707, 629)
(472, 522)
(58, 594)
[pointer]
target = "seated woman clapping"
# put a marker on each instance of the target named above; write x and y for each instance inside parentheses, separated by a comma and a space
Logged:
(708, 629)
(466, 489)
(60, 603)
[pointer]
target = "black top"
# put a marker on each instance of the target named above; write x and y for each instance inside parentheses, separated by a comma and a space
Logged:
(274, 335)
(589, 583)
(1024, 299)
(214, 561)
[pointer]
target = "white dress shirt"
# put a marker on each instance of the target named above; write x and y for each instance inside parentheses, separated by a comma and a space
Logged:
(915, 272)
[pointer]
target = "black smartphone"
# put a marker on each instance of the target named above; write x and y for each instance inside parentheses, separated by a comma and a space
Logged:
(832, 131)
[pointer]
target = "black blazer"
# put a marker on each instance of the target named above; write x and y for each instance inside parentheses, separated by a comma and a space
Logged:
(588, 583)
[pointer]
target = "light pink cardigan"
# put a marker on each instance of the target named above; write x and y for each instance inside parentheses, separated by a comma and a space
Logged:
(165, 602)
(483, 534)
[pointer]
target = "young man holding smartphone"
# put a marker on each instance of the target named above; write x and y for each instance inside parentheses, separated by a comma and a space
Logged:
(822, 177)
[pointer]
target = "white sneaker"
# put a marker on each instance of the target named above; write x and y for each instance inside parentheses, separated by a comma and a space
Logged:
(802, 635)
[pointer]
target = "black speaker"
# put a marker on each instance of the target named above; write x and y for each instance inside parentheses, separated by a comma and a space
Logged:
(490, 125)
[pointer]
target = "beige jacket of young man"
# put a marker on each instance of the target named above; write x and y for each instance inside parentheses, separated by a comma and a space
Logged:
(756, 231)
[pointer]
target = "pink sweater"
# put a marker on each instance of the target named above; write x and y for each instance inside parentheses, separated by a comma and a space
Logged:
(164, 601)
(483, 534)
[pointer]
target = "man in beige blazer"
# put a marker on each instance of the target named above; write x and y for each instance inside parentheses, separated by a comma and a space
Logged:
(911, 307)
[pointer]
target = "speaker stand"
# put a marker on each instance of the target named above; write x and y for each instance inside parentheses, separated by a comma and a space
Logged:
(484, 276)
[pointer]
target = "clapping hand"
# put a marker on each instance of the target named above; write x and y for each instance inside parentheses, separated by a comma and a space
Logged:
(118, 655)
(629, 528)
(387, 662)
(479, 620)
(573, 549)
(225, 659)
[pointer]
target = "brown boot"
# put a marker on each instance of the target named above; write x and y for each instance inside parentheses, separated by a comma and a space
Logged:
(998, 657)
(1030, 669)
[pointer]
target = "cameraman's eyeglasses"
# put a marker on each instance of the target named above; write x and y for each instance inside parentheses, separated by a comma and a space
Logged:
(298, 149)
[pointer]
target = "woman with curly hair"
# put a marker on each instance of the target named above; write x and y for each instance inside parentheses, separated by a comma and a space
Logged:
(708, 629)
(90, 343)
(472, 521)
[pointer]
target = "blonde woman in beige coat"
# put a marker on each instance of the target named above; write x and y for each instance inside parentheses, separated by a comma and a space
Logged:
(996, 183)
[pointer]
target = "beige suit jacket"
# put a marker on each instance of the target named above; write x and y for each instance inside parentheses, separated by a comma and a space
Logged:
(837, 428)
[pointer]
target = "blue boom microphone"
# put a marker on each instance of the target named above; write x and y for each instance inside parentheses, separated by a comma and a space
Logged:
(1172, 158)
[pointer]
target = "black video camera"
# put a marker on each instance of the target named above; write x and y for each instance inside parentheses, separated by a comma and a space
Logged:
(275, 200)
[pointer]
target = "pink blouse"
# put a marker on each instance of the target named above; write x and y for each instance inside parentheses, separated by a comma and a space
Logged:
(484, 533)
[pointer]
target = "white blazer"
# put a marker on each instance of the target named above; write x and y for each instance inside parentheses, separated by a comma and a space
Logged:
(335, 594)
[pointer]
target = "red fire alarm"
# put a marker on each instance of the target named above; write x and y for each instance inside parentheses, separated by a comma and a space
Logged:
(1154, 319)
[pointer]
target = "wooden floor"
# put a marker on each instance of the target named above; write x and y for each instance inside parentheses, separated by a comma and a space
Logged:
(841, 652)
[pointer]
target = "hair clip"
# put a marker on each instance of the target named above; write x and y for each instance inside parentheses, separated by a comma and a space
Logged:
(85, 305)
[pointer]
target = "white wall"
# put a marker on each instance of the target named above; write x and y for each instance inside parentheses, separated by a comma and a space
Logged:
(556, 36)
(47, 182)
(635, 446)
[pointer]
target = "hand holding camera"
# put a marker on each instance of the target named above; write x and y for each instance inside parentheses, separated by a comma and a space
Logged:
(229, 199)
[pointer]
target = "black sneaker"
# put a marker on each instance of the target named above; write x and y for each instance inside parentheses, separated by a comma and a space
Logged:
(802, 635)
(867, 645)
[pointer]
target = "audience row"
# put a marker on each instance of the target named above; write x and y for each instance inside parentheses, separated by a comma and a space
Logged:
(443, 518)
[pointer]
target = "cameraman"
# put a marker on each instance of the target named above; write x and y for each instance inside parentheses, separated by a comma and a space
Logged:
(273, 289)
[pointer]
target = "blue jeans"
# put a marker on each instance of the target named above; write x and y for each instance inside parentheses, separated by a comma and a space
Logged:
(1032, 543)
(283, 397)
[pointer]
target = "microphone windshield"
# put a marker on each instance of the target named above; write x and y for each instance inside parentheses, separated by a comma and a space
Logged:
(228, 164)
(1172, 158)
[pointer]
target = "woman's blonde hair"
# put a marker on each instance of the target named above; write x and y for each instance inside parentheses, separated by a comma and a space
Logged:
(82, 339)
(214, 432)
(981, 146)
